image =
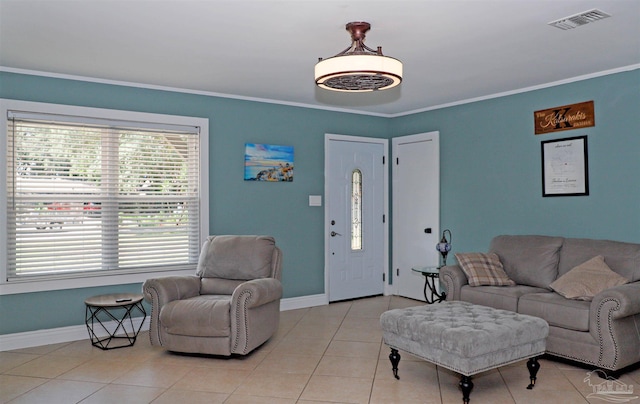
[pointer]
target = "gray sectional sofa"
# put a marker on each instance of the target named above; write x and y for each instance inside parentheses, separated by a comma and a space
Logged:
(603, 333)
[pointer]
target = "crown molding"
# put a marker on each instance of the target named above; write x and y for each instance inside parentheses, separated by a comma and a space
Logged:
(311, 106)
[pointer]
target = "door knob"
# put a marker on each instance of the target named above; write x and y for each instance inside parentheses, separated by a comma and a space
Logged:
(333, 234)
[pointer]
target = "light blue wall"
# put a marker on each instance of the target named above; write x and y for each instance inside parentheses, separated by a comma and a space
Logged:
(491, 175)
(490, 172)
(237, 207)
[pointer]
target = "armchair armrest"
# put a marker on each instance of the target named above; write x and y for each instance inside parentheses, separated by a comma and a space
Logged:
(453, 279)
(167, 289)
(160, 291)
(255, 311)
(257, 292)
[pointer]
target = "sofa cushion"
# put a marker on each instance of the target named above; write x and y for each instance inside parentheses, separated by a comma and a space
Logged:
(497, 296)
(201, 316)
(587, 280)
(622, 258)
(236, 257)
(529, 260)
(558, 311)
(483, 269)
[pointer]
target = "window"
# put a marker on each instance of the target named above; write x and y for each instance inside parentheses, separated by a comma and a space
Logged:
(91, 195)
(356, 210)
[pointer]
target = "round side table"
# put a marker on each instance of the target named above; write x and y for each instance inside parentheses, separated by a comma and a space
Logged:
(431, 274)
(109, 319)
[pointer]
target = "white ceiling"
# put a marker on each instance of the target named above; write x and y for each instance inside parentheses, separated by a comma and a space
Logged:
(452, 50)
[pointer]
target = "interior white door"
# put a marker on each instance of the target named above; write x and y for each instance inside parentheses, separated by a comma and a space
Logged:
(416, 210)
(355, 193)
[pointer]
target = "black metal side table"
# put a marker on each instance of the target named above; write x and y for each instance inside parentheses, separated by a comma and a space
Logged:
(109, 319)
(431, 274)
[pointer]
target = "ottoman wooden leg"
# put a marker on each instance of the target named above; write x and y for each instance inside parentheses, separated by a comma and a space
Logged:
(466, 385)
(533, 366)
(394, 357)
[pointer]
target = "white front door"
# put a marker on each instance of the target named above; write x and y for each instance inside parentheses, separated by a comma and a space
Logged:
(355, 177)
(416, 210)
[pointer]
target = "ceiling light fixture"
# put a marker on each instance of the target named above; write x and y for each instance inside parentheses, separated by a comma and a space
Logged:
(358, 68)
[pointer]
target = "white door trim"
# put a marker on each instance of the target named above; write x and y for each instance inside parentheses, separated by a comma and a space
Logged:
(345, 138)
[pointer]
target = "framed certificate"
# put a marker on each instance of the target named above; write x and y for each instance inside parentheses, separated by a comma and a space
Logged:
(564, 167)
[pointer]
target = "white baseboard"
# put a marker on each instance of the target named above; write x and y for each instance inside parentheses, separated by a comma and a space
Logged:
(58, 335)
(302, 302)
(30, 339)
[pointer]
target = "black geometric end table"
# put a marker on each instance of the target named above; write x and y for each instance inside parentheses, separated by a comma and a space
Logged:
(109, 319)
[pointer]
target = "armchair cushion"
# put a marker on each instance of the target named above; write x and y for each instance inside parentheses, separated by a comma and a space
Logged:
(236, 257)
(219, 286)
(201, 316)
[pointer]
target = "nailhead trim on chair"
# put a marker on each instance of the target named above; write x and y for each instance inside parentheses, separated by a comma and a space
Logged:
(246, 326)
(151, 320)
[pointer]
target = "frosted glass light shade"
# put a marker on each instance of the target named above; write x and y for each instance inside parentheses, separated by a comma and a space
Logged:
(358, 73)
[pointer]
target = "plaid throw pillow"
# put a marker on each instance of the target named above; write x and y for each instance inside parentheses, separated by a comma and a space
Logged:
(483, 269)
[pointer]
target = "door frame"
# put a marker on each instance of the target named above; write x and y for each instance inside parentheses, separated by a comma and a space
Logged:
(329, 137)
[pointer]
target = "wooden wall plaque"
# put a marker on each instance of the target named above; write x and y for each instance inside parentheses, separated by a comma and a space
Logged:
(566, 117)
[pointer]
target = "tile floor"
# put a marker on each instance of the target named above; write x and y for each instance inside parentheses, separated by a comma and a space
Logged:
(327, 354)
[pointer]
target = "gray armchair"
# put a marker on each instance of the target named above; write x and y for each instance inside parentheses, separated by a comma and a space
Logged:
(230, 306)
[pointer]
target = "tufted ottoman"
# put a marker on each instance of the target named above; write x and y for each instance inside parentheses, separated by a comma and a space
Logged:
(465, 338)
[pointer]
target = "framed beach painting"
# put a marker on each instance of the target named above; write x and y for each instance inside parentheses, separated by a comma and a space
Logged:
(268, 162)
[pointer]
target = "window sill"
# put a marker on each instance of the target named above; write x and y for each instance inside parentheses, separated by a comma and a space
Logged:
(87, 282)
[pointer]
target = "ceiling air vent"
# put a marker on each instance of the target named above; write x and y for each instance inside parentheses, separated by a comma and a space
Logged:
(579, 19)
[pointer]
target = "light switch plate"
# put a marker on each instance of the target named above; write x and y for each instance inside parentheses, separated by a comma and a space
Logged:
(315, 200)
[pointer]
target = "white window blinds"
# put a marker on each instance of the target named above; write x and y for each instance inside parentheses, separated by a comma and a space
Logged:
(85, 196)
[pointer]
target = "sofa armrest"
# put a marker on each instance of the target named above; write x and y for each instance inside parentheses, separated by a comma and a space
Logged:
(626, 298)
(453, 279)
(613, 322)
(160, 291)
